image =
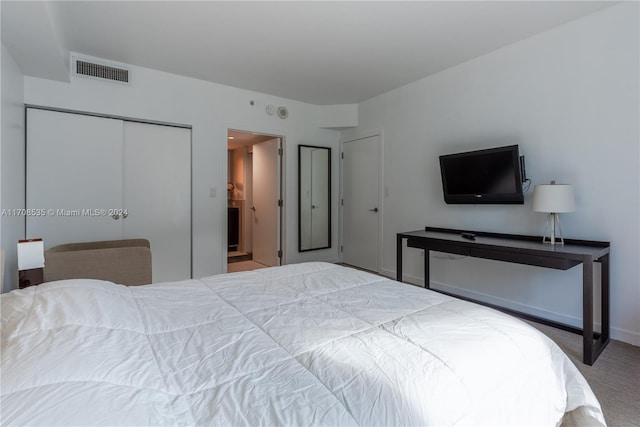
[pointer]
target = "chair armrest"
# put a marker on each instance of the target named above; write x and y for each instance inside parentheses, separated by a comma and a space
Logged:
(105, 244)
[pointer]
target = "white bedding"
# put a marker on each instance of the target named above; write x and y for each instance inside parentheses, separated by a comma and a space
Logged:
(302, 344)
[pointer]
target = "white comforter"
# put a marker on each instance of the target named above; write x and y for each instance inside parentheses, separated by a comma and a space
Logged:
(297, 345)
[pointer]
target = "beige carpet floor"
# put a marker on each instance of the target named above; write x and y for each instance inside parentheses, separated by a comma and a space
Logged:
(614, 377)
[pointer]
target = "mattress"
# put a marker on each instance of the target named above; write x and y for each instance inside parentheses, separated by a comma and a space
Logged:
(302, 344)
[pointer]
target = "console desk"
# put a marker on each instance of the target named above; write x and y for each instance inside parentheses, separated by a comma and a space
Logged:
(527, 250)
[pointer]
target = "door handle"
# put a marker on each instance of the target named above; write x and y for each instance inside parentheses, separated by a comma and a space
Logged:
(373, 210)
(313, 206)
(253, 208)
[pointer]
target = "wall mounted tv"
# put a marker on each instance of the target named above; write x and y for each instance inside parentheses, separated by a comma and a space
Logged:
(491, 176)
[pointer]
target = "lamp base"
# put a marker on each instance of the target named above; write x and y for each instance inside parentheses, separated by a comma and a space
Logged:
(553, 239)
(34, 276)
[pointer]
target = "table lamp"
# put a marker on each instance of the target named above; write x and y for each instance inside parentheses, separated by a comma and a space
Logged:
(554, 199)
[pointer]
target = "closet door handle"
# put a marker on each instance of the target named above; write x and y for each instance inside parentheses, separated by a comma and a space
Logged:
(373, 210)
(253, 208)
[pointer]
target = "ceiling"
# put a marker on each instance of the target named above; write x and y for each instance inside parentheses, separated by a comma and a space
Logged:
(333, 52)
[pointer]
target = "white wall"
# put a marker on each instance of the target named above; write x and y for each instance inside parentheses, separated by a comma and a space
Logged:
(211, 109)
(12, 164)
(570, 98)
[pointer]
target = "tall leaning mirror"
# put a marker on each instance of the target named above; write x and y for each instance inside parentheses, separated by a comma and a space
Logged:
(314, 198)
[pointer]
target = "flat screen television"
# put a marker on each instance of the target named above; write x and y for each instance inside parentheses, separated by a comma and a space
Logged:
(490, 176)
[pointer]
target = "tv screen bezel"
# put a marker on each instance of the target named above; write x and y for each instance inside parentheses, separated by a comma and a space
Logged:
(514, 198)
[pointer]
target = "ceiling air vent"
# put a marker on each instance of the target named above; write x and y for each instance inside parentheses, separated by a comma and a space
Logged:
(99, 71)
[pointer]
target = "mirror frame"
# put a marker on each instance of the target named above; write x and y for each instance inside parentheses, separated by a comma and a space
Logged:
(300, 148)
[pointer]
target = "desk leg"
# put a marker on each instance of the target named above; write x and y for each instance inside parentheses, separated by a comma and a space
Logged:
(587, 311)
(603, 340)
(399, 258)
(591, 348)
(604, 276)
(427, 275)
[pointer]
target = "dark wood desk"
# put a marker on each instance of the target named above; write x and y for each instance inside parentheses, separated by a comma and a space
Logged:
(527, 250)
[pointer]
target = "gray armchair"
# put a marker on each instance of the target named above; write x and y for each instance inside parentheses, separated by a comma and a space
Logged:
(127, 262)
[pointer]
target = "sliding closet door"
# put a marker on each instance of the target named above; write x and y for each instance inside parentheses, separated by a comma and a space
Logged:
(157, 195)
(74, 170)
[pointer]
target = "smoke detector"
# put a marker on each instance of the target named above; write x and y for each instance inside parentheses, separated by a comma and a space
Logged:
(283, 113)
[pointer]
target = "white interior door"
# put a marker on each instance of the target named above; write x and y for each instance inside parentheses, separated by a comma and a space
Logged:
(74, 171)
(361, 203)
(266, 184)
(157, 195)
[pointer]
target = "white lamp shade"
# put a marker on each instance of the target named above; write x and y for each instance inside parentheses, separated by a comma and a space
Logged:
(553, 198)
(30, 254)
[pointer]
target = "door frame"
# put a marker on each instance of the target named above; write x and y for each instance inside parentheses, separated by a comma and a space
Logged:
(275, 133)
(355, 136)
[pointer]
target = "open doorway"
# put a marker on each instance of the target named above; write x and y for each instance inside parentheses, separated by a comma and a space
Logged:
(254, 201)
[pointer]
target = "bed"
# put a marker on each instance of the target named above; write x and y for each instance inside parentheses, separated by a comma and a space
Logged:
(302, 344)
